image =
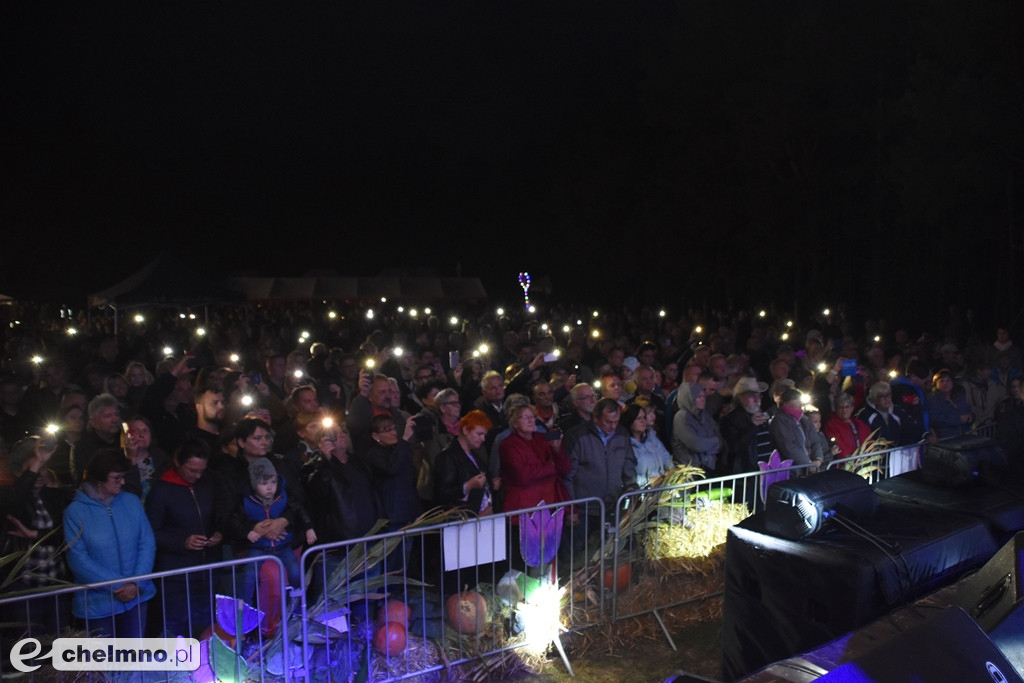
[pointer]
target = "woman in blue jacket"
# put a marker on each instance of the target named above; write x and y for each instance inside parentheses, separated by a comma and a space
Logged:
(109, 537)
(652, 458)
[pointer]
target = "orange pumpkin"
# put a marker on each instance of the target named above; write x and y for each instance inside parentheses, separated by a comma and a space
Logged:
(618, 580)
(389, 638)
(394, 610)
(466, 612)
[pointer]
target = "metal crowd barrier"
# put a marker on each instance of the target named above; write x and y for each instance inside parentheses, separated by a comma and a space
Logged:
(882, 464)
(460, 592)
(663, 535)
(191, 594)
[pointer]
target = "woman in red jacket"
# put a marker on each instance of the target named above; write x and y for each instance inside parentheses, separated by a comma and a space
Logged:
(532, 465)
(843, 429)
(532, 469)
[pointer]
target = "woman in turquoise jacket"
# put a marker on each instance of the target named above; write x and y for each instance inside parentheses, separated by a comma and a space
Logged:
(109, 537)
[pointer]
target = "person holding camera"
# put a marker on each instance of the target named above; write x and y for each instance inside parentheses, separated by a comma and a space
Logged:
(389, 460)
(374, 398)
(460, 478)
(34, 506)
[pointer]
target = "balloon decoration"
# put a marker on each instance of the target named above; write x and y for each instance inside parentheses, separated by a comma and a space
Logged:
(524, 282)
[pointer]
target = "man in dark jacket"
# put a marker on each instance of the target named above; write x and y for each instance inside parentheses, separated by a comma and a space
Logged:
(180, 508)
(341, 494)
(343, 502)
(603, 463)
(745, 429)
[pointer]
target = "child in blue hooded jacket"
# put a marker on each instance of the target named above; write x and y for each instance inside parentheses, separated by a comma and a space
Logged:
(266, 498)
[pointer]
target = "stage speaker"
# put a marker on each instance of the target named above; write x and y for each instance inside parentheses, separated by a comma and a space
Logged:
(994, 591)
(959, 461)
(947, 647)
(1009, 637)
(801, 507)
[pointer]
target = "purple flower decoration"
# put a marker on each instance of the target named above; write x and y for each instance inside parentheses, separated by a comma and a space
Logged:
(540, 534)
(771, 473)
(205, 673)
(228, 609)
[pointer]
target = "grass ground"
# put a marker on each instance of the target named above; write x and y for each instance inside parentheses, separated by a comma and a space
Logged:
(697, 634)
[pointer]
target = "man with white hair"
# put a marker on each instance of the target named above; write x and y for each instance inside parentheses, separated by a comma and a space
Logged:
(103, 430)
(890, 421)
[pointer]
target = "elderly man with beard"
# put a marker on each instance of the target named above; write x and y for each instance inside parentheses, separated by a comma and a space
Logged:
(745, 428)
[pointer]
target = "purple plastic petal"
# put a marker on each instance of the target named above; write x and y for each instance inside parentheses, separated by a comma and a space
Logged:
(540, 534)
(771, 473)
(205, 673)
(227, 607)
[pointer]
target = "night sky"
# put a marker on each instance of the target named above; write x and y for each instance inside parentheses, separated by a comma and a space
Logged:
(710, 153)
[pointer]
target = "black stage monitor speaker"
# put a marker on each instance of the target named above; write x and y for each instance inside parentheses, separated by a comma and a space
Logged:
(947, 648)
(959, 461)
(991, 594)
(801, 507)
(1009, 638)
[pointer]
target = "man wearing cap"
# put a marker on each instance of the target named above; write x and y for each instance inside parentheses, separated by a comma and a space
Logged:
(748, 439)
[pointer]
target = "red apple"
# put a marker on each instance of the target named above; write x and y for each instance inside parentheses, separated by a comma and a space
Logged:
(394, 610)
(389, 638)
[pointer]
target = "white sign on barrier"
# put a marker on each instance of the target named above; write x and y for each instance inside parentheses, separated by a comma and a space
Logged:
(478, 541)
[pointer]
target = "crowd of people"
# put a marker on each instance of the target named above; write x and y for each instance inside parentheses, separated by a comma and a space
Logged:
(172, 443)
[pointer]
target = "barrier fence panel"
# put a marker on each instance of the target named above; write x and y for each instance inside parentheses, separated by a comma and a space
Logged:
(446, 591)
(670, 538)
(664, 536)
(240, 635)
(394, 605)
(986, 430)
(882, 464)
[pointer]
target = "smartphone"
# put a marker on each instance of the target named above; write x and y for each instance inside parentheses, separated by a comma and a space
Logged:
(453, 359)
(553, 434)
(49, 439)
(849, 367)
(422, 427)
(550, 357)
